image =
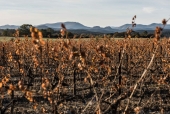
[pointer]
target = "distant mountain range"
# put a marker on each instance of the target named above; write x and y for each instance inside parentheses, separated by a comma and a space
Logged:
(9, 27)
(73, 26)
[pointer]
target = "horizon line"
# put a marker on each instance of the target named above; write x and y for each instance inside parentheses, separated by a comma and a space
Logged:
(79, 23)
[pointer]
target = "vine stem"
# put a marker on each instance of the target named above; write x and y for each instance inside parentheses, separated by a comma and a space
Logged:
(140, 79)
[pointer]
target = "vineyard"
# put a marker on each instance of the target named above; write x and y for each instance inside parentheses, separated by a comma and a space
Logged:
(78, 76)
(101, 76)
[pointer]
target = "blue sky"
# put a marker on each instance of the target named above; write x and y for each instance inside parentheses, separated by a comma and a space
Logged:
(88, 12)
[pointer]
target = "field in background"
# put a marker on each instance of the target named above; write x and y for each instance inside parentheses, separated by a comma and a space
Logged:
(9, 38)
(53, 39)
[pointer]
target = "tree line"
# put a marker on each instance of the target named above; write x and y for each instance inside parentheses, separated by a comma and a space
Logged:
(51, 33)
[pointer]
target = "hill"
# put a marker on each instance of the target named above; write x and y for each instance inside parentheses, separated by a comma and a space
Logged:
(82, 28)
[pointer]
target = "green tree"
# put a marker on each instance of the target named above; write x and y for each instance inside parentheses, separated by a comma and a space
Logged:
(5, 32)
(137, 35)
(24, 29)
(50, 31)
(144, 34)
(70, 35)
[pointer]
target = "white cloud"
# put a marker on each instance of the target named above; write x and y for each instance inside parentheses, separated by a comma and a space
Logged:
(149, 9)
